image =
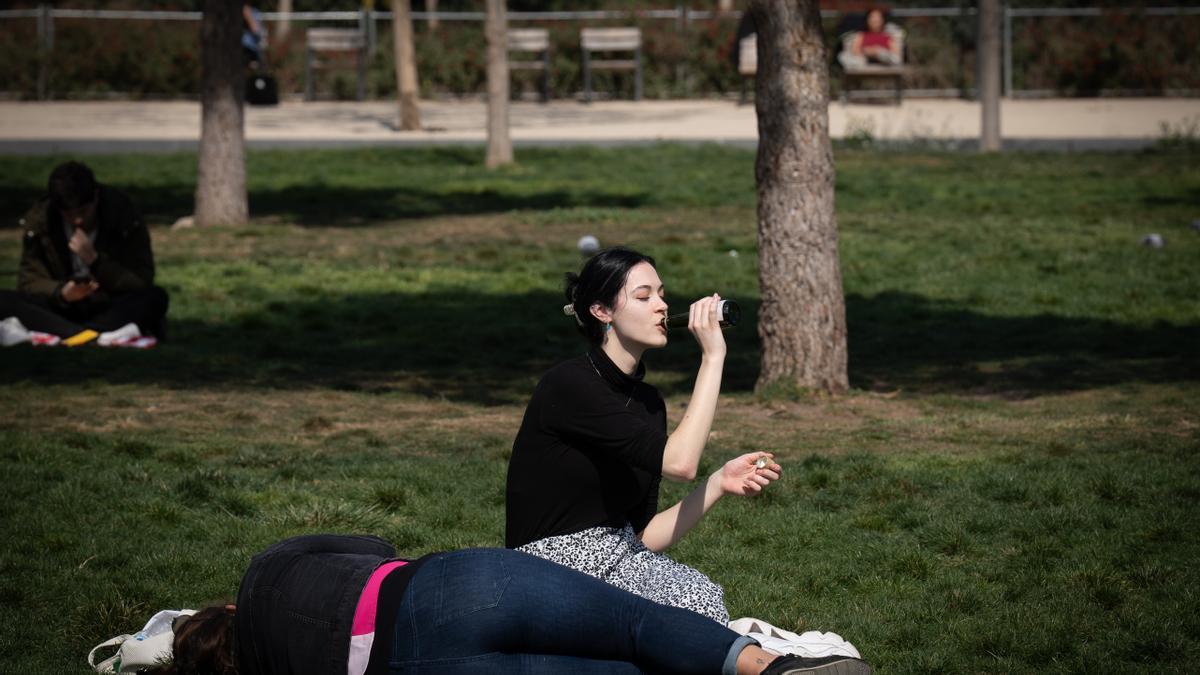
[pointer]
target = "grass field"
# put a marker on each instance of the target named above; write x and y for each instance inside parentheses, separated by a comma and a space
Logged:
(1012, 484)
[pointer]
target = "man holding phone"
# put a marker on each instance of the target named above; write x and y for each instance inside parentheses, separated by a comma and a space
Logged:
(87, 269)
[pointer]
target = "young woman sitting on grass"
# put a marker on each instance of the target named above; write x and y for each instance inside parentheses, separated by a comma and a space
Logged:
(344, 605)
(586, 465)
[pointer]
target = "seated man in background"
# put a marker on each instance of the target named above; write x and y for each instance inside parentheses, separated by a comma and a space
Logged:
(86, 272)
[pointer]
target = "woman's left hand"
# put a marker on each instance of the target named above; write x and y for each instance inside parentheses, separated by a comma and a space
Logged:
(741, 476)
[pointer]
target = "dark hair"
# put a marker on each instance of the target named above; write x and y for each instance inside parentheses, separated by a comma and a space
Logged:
(71, 185)
(204, 645)
(601, 279)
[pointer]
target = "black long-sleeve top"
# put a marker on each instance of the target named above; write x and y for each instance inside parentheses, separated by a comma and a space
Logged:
(589, 452)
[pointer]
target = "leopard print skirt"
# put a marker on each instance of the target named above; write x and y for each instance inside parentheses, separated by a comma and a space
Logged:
(619, 558)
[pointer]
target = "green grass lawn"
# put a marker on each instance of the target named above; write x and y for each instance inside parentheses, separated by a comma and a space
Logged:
(1011, 485)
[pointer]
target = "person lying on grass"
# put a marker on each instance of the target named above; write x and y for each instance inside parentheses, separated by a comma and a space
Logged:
(584, 475)
(337, 604)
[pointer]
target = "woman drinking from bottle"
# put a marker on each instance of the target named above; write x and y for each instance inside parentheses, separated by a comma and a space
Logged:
(593, 447)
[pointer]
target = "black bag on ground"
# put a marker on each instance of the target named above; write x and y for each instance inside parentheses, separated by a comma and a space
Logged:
(261, 89)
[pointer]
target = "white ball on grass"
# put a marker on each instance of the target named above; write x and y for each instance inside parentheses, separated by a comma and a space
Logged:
(588, 244)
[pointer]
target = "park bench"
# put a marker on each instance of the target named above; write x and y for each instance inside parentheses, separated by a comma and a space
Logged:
(609, 40)
(856, 70)
(852, 70)
(334, 41)
(535, 40)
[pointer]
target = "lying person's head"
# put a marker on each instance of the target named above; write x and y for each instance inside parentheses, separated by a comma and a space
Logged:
(204, 644)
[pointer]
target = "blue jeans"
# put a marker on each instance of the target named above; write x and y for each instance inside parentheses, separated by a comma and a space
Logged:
(503, 611)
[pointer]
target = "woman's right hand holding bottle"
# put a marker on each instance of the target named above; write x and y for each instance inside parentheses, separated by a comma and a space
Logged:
(705, 324)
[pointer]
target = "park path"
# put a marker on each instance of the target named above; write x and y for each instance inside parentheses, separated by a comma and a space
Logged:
(117, 126)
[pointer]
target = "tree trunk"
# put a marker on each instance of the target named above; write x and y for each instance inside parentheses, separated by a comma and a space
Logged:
(431, 7)
(406, 64)
(221, 175)
(499, 145)
(724, 5)
(802, 321)
(989, 74)
(284, 25)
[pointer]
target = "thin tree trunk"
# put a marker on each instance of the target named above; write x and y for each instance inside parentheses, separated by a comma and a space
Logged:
(221, 175)
(431, 7)
(499, 145)
(406, 64)
(802, 321)
(724, 5)
(284, 25)
(989, 74)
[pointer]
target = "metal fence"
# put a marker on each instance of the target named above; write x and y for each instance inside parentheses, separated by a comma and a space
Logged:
(366, 21)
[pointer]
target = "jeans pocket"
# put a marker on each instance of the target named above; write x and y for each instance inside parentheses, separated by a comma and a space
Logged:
(471, 581)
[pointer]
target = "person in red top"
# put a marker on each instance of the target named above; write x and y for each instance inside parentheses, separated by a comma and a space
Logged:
(875, 44)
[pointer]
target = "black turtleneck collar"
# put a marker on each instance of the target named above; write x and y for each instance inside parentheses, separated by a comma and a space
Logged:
(612, 374)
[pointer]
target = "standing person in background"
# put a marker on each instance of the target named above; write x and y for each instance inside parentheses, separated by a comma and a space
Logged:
(253, 36)
(586, 465)
(87, 270)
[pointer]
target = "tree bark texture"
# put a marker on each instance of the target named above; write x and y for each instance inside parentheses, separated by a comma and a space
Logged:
(989, 74)
(284, 26)
(499, 145)
(431, 6)
(802, 320)
(406, 64)
(221, 171)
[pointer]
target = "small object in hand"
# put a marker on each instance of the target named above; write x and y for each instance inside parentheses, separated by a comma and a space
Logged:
(81, 279)
(1154, 240)
(760, 463)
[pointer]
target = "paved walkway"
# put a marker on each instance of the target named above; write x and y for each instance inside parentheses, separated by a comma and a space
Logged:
(83, 127)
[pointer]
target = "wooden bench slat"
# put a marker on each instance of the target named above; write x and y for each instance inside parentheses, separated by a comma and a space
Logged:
(610, 39)
(528, 39)
(335, 39)
(614, 64)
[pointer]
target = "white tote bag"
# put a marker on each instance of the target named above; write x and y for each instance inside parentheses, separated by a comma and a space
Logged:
(149, 647)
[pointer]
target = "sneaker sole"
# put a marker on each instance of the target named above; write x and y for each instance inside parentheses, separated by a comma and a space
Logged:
(845, 667)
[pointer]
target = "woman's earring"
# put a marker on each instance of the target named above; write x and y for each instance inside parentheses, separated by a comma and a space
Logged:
(607, 327)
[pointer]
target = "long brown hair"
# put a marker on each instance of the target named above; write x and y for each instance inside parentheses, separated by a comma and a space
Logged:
(204, 644)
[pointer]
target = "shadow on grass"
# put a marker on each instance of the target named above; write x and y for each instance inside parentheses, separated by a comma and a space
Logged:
(491, 350)
(319, 205)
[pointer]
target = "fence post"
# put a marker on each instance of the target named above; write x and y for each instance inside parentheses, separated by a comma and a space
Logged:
(45, 31)
(682, 73)
(1008, 52)
(366, 27)
(988, 51)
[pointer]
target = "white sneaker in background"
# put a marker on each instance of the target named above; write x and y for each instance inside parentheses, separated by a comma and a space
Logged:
(13, 332)
(813, 643)
(125, 333)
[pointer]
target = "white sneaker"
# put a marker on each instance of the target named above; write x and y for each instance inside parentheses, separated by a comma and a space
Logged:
(123, 334)
(13, 332)
(814, 644)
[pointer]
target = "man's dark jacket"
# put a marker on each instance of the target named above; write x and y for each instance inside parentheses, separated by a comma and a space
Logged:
(124, 261)
(296, 604)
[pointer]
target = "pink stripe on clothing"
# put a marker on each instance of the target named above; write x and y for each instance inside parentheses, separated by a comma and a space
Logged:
(368, 602)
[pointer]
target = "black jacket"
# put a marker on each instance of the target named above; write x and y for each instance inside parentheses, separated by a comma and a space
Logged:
(124, 260)
(296, 604)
